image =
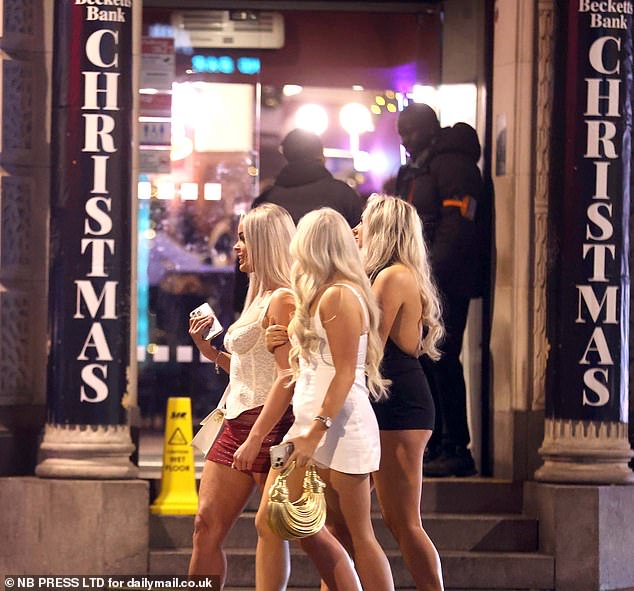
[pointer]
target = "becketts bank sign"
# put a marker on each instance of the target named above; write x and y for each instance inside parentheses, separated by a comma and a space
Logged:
(589, 366)
(89, 316)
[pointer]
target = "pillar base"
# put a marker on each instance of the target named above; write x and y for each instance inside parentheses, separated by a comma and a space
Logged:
(589, 530)
(100, 452)
(70, 527)
(585, 452)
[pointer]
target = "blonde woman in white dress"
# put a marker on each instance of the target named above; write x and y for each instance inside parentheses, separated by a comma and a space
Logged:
(396, 261)
(335, 361)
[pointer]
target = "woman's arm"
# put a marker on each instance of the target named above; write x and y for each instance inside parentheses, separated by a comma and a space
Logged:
(197, 327)
(282, 306)
(342, 319)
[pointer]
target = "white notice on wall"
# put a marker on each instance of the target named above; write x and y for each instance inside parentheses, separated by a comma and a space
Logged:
(155, 133)
(155, 162)
(157, 63)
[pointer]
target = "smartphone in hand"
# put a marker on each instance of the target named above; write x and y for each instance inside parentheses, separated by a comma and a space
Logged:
(204, 310)
(280, 454)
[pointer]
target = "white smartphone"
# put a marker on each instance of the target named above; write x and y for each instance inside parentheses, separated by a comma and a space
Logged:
(280, 454)
(204, 310)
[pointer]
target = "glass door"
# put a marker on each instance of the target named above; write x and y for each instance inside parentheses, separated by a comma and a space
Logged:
(198, 174)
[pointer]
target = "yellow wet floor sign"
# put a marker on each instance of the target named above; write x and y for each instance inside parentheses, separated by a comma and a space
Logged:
(178, 481)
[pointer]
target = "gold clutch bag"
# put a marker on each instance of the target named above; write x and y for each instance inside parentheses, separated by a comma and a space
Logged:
(292, 520)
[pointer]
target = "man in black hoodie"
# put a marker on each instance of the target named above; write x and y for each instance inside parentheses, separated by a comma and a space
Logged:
(305, 184)
(443, 182)
(302, 185)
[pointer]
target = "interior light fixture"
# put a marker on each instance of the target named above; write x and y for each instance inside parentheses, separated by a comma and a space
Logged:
(189, 191)
(166, 190)
(144, 190)
(292, 89)
(212, 191)
(312, 117)
(422, 93)
(356, 118)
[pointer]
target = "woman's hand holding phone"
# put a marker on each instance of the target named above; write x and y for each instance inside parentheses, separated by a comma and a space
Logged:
(205, 312)
(280, 454)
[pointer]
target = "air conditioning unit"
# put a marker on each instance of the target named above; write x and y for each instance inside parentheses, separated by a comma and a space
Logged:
(225, 28)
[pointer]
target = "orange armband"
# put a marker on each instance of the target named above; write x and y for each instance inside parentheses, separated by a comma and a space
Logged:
(467, 206)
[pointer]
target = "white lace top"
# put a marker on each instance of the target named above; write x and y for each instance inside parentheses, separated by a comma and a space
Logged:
(252, 369)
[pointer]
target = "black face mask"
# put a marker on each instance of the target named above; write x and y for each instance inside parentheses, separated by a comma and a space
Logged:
(416, 141)
(417, 131)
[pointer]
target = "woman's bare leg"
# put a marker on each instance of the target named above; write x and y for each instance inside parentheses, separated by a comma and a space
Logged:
(331, 560)
(222, 496)
(398, 486)
(349, 503)
(272, 557)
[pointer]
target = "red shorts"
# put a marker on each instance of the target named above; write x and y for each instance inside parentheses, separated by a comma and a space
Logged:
(235, 432)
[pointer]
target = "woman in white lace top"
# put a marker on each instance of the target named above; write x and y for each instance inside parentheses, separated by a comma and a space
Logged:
(254, 374)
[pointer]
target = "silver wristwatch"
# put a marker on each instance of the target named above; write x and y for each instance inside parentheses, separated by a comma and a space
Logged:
(326, 421)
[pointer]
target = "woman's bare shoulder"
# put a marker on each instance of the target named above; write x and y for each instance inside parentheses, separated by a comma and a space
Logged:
(337, 300)
(395, 277)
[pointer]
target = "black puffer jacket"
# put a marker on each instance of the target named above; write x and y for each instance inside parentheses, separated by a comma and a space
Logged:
(305, 185)
(448, 170)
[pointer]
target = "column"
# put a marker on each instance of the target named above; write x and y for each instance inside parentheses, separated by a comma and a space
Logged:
(25, 44)
(87, 433)
(586, 430)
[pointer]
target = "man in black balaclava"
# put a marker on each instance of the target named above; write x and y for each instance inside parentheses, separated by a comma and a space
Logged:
(443, 182)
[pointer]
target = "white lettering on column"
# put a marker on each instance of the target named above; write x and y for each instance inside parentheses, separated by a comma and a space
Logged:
(90, 378)
(96, 339)
(98, 127)
(92, 90)
(598, 265)
(593, 106)
(100, 93)
(86, 293)
(600, 132)
(597, 387)
(93, 48)
(595, 55)
(97, 261)
(99, 216)
(597, 344)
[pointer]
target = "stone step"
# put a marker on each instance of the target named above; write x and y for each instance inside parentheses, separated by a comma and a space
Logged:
(445, 495)
(461, 570)
(504, 533)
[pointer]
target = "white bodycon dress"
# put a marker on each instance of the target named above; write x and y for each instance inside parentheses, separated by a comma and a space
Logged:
(352, 444)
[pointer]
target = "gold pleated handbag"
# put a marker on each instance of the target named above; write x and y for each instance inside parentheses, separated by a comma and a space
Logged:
(292, 520)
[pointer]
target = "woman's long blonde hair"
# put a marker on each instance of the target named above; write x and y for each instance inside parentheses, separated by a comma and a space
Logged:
(324, 248)
(393, 233)
(268, 230)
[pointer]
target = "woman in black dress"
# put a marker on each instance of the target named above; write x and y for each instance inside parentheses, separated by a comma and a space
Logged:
(391, 237)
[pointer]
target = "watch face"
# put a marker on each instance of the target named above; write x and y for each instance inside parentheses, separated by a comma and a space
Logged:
(326, 421)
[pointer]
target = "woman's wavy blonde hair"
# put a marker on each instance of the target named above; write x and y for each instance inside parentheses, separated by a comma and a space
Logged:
(268, 230)
(393, 233)
(324, 248)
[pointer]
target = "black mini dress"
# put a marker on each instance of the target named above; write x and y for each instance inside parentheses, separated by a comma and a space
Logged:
(410, 404)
